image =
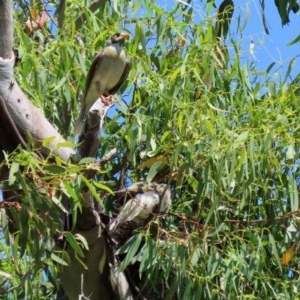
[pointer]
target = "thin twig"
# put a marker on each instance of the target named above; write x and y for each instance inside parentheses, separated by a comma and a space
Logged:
(281, 218)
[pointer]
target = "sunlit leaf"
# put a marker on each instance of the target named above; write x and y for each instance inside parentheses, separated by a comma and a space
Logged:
(13, 169)
(154, 169)
(287, 256)
(72, 240)
(58, 259)
(149, 162)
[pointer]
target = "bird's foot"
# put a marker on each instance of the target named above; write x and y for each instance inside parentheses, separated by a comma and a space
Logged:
(107, 100)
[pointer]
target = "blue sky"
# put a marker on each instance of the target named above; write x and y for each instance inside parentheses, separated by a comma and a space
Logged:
(268, 48)
(273, 47)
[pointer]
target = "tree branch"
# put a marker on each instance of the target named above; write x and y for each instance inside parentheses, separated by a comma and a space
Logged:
(89, 138)
(60, 12)
(26, 116)
(6, 29)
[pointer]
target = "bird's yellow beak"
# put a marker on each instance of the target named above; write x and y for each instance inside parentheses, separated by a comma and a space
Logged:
(124, 35)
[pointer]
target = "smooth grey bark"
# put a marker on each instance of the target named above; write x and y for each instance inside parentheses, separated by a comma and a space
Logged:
(90, 136)
(86, 278)
(27, 118)
(6, 29)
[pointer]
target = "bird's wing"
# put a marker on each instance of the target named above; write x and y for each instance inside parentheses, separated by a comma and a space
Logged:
(94, 66)
(128, 212)
(122, 79)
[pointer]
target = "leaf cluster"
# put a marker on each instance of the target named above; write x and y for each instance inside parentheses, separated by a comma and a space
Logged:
(196, 115)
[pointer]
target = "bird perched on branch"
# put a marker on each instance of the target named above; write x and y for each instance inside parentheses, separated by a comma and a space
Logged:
(107, 73)
(147, 200)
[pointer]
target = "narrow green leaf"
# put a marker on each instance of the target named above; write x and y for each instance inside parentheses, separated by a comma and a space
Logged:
(102, 186)
(154, 170)
(195, 256)
(294, 197)
(73, 243)
(91, 188)
(55, 169)
(270, 67)
(69, 190)
(58, 259)
(290, 152)
(294, 41)
(86, 160)
(274, 251)
(289, 70)
(82, 240)
(12, 172)
(130, 248)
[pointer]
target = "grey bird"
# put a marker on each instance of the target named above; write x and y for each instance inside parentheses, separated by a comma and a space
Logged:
(108, 71)
(148, 200)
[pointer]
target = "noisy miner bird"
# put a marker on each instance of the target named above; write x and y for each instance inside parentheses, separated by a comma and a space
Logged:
(149, 199)
(107, 73)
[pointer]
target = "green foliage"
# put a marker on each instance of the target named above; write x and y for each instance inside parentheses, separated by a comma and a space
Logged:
(36, 187)
(223, 133)
(284, 8)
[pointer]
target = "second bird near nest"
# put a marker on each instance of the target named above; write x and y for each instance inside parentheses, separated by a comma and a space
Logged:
(108, 71)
